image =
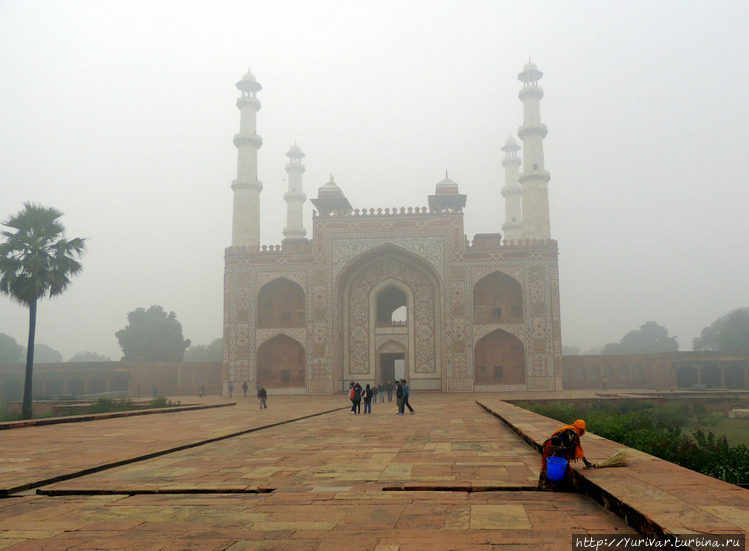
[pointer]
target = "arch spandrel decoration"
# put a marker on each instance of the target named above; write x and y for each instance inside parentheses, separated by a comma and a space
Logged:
(298, 334)
(515, 329)
(515, 272)
(391, 346)
(299, 278)
(382, 339)
(428, 248)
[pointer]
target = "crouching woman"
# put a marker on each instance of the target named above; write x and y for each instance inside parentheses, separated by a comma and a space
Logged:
(565, 443)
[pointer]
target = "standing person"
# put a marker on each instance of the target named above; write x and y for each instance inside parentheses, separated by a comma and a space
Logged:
(604, 383)
(245, 387)
(262, 395)
(406, 394)
(399, 396)
(389, 389)
(357, 398)
(374, 394)
(351, 397)
(155, 392)
(381, 391)
(368, 394)
(231, 388)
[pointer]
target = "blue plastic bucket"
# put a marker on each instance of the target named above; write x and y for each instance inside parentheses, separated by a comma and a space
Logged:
(555, 468)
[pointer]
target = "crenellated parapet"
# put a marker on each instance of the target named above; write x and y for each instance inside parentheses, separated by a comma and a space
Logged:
(296, 246)
(494, 241)
(530, 243)
(403, 211)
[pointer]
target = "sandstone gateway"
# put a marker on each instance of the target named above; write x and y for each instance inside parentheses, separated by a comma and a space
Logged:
(376, 293)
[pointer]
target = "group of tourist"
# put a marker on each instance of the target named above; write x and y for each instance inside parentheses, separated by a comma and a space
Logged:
(369, 394)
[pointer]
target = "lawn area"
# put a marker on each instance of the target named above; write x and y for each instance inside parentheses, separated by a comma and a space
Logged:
(735, 430)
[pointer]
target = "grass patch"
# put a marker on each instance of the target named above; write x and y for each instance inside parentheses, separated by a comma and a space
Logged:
(735, 430)
(102, 405)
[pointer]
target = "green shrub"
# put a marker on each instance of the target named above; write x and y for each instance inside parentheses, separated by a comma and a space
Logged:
(163, 402)
(107, 405)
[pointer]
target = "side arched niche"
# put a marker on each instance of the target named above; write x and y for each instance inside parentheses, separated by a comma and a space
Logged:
(497, 298)
(280, 303)
(499, 359)
(281, 363)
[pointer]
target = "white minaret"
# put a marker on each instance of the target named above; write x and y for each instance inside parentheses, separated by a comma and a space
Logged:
(294, 197)
(534, 179)
(247, 188)
(513, 226)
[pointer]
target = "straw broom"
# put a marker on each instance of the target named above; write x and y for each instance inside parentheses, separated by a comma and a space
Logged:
(619, 459)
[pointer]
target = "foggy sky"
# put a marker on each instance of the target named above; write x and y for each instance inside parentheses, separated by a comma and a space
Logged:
(121, 114)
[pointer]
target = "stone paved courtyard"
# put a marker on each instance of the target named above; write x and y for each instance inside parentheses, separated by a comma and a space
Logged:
(452, 476)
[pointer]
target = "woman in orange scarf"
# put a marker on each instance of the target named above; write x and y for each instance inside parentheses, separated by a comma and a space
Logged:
(564, 442)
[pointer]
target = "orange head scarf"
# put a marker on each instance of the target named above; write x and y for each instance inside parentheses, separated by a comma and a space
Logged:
(580, 426)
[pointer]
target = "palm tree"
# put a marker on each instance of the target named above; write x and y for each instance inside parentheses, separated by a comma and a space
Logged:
(36, 260)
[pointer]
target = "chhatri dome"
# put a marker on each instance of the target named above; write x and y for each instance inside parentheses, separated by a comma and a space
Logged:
(446, 187)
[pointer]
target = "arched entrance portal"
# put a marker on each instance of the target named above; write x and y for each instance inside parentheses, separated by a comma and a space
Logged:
(499, 359)
(280, 363)
(391, 362)
(389, 299)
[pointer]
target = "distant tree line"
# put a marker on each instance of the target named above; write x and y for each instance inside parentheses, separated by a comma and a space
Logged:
(729, 334)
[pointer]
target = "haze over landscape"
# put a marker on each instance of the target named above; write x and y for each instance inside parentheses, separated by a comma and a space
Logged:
(122, 116)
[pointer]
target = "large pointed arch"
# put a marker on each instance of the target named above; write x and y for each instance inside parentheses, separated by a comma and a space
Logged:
(280, 303)
(499, 359)
(497, 298)
(281, 363)
(357, 287)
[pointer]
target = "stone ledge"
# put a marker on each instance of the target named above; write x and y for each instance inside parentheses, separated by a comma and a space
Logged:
(96, 416)
(655, 497)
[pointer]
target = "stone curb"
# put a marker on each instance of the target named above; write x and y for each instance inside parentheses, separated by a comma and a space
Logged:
(83, 472)
(96, 416)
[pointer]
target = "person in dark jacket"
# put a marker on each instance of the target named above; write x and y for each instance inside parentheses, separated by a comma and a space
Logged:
(357, 398)
(399, 396)
(406, 395)
(381, 391)
(262, 395)
(368, 395)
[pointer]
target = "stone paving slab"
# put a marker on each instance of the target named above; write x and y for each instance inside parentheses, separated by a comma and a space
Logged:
(338, 449)
(329, 473)
(658, 496)
(303, 521)
(66, 449)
